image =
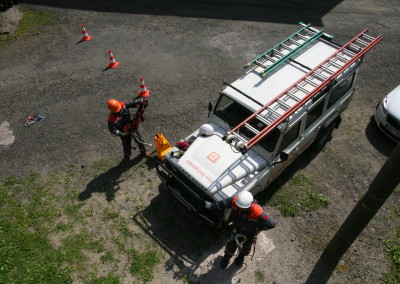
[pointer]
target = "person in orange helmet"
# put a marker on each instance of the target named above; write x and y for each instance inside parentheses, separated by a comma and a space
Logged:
(121, 123)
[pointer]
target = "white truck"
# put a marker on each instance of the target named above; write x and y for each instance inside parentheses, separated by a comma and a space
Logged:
(290, 98)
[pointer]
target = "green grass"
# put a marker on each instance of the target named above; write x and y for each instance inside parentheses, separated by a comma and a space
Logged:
(393, 247)
(259, 276)
(143, 264)
(47, 234)
(298, 194)
(32, 22)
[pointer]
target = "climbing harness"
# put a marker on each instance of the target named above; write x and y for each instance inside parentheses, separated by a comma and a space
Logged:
(33, 119)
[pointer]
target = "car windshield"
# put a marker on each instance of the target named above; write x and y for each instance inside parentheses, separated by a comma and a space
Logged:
(234, 113)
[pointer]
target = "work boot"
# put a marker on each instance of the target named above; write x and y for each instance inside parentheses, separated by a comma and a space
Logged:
(145, 154)
(224, 262)
(239, 259)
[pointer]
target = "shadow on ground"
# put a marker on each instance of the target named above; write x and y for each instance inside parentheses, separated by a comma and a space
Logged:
(108, 182)
(378, 139)
(187, 242)
(290, 11)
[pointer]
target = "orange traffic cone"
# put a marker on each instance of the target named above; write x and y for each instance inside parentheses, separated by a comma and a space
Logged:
(85, 37)
(143, 92)
(113, 63)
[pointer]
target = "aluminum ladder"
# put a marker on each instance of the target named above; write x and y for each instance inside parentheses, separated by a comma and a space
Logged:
(303, 90)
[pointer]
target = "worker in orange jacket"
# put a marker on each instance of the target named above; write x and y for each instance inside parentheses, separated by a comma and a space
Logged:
(248, 219)
(122, 124)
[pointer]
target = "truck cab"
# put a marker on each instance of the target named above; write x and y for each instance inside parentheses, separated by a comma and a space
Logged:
(290, 99)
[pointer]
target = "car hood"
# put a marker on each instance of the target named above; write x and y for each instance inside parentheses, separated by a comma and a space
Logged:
(214, 164)
(393, 102)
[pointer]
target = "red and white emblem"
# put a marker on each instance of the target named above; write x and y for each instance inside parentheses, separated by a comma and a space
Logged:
(213, 157)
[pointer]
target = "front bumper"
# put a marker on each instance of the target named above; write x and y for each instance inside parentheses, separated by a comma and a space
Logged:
(186, 196)
(384, 126)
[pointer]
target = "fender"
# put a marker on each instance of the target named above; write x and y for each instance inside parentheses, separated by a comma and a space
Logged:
(335, 116)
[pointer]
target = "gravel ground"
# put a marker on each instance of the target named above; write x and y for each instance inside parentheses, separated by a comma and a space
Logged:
(184, 51)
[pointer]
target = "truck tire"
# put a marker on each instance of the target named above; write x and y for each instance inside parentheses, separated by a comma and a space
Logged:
(323, 137)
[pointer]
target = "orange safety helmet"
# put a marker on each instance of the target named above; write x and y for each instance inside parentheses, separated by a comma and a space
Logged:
(114, 105)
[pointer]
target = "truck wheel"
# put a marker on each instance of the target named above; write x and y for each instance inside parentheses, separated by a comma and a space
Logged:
(323, 137)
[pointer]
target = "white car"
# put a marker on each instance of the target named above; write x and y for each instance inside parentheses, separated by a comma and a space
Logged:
(387, 114)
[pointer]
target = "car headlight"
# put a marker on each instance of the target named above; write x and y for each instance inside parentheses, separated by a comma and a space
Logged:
(384, 107)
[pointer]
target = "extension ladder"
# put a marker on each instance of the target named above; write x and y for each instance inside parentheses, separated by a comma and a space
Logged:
(287, 48)
(304, 89)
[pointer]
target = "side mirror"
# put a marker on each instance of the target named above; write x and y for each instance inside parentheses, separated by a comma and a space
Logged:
(283, 157)
(210, 108)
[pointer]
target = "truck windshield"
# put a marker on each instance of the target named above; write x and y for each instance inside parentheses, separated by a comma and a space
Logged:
(234, 113)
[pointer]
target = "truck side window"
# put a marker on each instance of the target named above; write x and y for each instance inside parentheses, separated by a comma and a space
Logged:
(340, 89)
(269, 142)
(289, 136)
(314, 113)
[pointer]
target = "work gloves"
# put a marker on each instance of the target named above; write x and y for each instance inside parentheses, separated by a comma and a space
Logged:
(207, 204)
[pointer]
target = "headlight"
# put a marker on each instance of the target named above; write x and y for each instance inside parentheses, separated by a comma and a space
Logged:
(384, 107)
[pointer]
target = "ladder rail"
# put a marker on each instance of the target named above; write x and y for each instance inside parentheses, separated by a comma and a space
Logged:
(300, 102)
(306, 42)
(270, 127)
(271, 49)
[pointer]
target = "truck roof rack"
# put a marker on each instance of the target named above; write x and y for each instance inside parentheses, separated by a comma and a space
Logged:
(304, 88)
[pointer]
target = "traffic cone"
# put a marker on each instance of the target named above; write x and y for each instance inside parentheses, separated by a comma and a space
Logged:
(113, 63)
(143, 92)
(85, 37)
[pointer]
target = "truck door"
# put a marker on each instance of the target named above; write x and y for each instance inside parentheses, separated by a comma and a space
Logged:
(289, 144)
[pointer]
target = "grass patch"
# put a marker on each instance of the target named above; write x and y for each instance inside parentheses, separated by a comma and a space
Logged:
(393, 247)
(47, 234)
(143, 264)
(109, 279)
(298, 194)
(259, 276)
(32, 22)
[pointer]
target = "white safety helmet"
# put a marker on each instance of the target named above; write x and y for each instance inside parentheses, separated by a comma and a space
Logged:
(245, 199)
(206, 129)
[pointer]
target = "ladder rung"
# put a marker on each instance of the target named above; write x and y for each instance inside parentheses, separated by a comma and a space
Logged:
(251, 128)
(360, 41)
(334, 63)
(355, 46)
(273, 111)
(262, 119)
(320, 76)
(311, 82)
(270, 58)
(368, 37)
(349, 52)
(239, 137)
(302, 37)
(279, 53)
(293, 96)
(258, 63)
(286, 47)
(284, 104)
(344, 59)
(302, 89)
(327, 70)
(294, 42)
(309, 31)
